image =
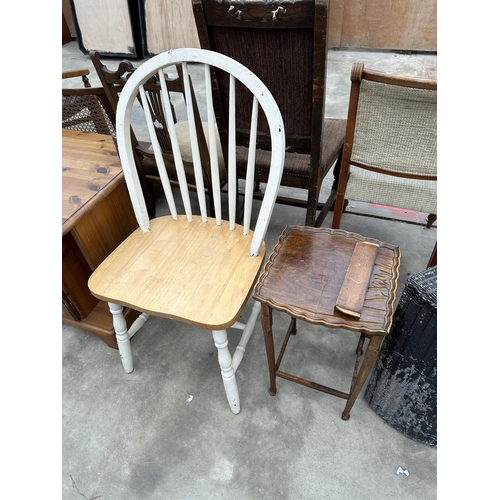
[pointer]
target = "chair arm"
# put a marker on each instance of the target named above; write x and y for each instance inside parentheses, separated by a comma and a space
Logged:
(72, 73)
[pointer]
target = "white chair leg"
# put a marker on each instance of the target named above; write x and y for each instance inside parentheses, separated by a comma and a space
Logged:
(247, 333)
(122, 337)
(226, 367)
(137, 324)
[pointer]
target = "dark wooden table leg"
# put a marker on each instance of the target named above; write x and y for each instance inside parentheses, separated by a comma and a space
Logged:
(366, 367)
(267, 328)
(434, 257)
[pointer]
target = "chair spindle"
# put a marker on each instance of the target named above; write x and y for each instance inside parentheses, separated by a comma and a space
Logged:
(250, 167)
(179, 165)
(214, 157)
(195, 149)
(165, 181)
(232, 154)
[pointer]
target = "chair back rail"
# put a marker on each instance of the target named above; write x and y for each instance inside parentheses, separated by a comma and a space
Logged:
(263, 100)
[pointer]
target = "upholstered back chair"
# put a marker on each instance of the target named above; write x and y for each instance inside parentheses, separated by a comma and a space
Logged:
(285, 45)
(390, 152)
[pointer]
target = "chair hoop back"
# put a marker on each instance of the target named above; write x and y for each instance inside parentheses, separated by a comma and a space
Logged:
(190, 58)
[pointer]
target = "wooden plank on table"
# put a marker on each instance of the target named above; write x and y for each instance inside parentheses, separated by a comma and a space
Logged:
(169, 25)
(357, 278)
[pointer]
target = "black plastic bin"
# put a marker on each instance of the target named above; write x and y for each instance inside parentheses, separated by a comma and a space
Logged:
(402, 388)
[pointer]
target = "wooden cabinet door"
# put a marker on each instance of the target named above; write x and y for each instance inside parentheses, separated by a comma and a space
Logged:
(90, 241)
(77, 301)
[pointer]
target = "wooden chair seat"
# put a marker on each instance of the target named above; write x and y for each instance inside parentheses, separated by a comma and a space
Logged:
(144, 271)
(86, 109)
(298, 166)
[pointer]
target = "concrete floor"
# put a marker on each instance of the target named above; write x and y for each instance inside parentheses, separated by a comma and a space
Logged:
(136, 436)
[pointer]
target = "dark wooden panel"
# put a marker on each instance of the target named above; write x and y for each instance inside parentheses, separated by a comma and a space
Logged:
(66, 35)
(106, 226)
(78, 302)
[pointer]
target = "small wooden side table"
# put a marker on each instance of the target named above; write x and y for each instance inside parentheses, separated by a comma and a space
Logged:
(303, 277)
(97, 215)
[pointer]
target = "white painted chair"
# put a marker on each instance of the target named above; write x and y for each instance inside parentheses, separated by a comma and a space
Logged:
(192, 268)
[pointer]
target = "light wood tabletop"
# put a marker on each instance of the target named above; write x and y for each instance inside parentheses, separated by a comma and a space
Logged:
(91, 169)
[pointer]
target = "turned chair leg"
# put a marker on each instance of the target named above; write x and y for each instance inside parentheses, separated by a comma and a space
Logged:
(122, 337)
(227, 371)
(267, 321)
(366, 367)
(434, 257)
(431, 218)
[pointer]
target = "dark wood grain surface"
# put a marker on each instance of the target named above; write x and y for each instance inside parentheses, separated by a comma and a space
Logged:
(305, 272)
